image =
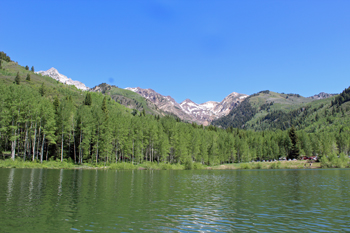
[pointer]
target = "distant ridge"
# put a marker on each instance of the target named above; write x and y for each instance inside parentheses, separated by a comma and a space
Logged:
(188, 110)
(321, 95)
(53, 73)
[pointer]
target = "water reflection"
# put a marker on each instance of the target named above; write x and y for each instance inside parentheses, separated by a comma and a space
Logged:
(102, 201)
(10, 184)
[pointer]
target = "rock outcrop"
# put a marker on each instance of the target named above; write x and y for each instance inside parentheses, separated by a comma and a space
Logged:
(53, 73)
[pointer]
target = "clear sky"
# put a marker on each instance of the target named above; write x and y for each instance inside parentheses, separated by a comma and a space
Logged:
(201, 50)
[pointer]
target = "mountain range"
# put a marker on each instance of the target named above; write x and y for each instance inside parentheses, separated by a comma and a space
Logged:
(223, 114)
(189, 111)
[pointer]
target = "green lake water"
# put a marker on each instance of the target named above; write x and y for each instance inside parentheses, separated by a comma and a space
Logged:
(43, 200)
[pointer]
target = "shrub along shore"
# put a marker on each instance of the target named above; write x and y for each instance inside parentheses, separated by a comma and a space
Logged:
(299, 164)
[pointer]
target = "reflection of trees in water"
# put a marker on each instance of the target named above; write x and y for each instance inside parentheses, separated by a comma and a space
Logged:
(10, 184)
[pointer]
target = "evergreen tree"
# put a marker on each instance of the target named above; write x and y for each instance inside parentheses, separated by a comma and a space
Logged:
(0, 65)
(42, 90)
(32, 69)
(28, 77)
(3, 56)
(104, 105)
(88, 100)
(17, 79)
(294, 152)
(27, 67)
(56, 104)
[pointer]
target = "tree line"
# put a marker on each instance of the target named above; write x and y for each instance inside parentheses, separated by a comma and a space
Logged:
(36, 126)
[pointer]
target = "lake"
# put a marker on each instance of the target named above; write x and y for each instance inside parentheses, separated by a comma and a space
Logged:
(44, 200)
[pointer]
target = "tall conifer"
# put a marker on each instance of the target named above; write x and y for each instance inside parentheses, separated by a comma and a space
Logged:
(17, 79)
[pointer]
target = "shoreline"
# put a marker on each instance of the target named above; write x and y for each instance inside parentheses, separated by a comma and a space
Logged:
(299, 164)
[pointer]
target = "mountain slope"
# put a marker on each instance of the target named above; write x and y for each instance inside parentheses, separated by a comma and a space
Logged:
(165, 103)
(53, 73)
(188, 110)
(129, 99)
(270, 110)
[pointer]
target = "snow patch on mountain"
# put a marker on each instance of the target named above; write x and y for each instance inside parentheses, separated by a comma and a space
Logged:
(53, 73)
(190, 111)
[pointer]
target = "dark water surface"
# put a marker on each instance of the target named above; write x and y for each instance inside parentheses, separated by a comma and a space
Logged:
(39, 200)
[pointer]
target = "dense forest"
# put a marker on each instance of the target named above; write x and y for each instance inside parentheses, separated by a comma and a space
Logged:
(41, 120)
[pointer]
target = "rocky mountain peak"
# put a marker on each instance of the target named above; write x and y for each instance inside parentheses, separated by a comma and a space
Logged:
(321, 95)
(190, 111)
(53, 73)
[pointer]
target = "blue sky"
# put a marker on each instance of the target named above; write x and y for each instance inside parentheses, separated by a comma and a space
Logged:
(202, 50)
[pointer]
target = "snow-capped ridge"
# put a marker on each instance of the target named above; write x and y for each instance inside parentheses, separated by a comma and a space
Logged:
(190, 111)
(53, 73)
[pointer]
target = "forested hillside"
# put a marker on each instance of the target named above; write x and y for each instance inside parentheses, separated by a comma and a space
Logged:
(41, 119)
(271, 111)
(129, 99)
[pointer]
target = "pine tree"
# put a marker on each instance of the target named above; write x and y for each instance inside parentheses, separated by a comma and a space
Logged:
(88, 100)
(294, 152)
(17, 79)
(56, 104)
(104, 105)
(42, 90)
(28, 77)
(27, 67)
(32, 69)
(0, 65)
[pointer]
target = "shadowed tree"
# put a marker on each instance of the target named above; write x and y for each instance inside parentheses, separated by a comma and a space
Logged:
(17, 79)
(294, 152)
(28, 77)
(42, 90)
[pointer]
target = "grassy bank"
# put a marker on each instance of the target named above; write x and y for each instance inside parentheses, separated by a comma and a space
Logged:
(19, 163)
(298, 164)
(8, 163)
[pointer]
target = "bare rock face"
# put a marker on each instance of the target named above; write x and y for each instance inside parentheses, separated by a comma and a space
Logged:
(321, 95)
(53, 73)
(206, 112)
(188, 110)
(165, 103)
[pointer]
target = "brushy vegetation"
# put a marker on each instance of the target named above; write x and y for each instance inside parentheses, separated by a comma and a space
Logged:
(334, 161)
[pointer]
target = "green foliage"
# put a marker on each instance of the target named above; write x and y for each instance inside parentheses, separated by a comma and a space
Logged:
(246, 166)
(18, 79)
(294, 151)
(188, 164)
(28, 77)
(42, 89)
(3, 56)
(238, 116)
(27, 67)
(88, 100)
(334, 161)
(342, 97)
(275, 165)
(32, 69)
(42, 119)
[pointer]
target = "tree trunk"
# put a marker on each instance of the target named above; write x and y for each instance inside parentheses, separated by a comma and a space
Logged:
(62, 146)
(42, 149)
(80, 149)
(47, 150)
(37, 148)
(132, 158)
(98, 132)
(75, 154)
(25, 143)
(13, 144)
(116, 152)
(34, 142)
